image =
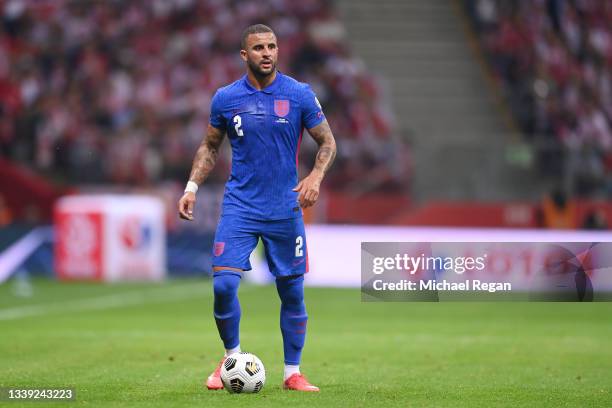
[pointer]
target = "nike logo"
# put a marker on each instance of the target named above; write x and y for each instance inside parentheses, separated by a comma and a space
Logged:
(298, 261)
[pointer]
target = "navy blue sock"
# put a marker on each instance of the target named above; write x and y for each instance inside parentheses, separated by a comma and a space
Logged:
(227, 306)
(293, 317)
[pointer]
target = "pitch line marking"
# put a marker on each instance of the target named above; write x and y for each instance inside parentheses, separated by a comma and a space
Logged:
(132, 298)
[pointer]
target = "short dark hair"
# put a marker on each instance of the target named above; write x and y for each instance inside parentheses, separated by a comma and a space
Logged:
(254, 29)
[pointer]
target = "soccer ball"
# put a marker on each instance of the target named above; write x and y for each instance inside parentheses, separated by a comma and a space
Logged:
(243, 373)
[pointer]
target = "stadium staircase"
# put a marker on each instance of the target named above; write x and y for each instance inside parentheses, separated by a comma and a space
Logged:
(442, 99)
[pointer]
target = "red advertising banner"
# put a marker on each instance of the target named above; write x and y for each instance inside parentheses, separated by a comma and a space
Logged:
(79, 245)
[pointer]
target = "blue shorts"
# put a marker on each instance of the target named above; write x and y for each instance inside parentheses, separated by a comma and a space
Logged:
(284, 243)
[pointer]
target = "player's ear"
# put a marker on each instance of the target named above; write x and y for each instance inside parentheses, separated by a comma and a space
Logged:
(243, 55)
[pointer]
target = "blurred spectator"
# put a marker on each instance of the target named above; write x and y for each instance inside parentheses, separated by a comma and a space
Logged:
(595, 220)
(558, 212)
(117, 91)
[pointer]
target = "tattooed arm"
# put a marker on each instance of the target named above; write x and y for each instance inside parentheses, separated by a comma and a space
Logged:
(203, 163)
(308, 188)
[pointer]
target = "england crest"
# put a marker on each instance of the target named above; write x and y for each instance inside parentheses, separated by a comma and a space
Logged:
(281, 107)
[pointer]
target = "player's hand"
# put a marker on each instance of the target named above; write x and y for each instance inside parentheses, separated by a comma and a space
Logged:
(185, 206)
(308, 190)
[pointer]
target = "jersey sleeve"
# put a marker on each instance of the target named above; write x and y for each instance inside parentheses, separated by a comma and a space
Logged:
(216, 112)
(312, 114)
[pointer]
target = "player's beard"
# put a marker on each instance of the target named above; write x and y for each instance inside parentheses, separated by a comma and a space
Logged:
(260, 73)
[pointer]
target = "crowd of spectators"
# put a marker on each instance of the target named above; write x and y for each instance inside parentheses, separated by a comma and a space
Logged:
(118, 91)
(554, 58)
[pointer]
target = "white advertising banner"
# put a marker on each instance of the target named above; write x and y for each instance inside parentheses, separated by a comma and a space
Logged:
(335, 252)
(110, 238)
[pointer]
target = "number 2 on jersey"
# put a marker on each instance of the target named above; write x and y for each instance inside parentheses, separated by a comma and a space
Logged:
(238, 125)
(299, 243)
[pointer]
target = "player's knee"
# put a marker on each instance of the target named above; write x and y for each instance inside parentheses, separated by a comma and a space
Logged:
(291, 290)
(226, 285)
(293, 298)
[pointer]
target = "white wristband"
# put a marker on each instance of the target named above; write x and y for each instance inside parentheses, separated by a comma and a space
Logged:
(191, 187)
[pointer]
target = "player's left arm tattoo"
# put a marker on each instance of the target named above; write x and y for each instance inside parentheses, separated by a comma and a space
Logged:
(324, 137)
(308, 188)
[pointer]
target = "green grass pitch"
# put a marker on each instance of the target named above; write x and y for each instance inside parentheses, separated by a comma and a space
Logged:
(148, 345)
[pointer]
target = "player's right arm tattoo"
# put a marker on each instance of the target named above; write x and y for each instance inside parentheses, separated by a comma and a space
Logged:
(206, 156)
(322, 134)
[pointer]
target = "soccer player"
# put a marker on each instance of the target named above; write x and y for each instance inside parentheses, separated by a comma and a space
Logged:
(263, 114)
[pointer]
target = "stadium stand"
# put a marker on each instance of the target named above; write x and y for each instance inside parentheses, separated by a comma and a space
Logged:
(118, 92)
(553, 60)
(443, 99)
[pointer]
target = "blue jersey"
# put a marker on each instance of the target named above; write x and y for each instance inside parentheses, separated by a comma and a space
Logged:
(265, 130)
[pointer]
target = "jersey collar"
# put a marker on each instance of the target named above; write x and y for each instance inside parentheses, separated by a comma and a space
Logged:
(268, 89)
